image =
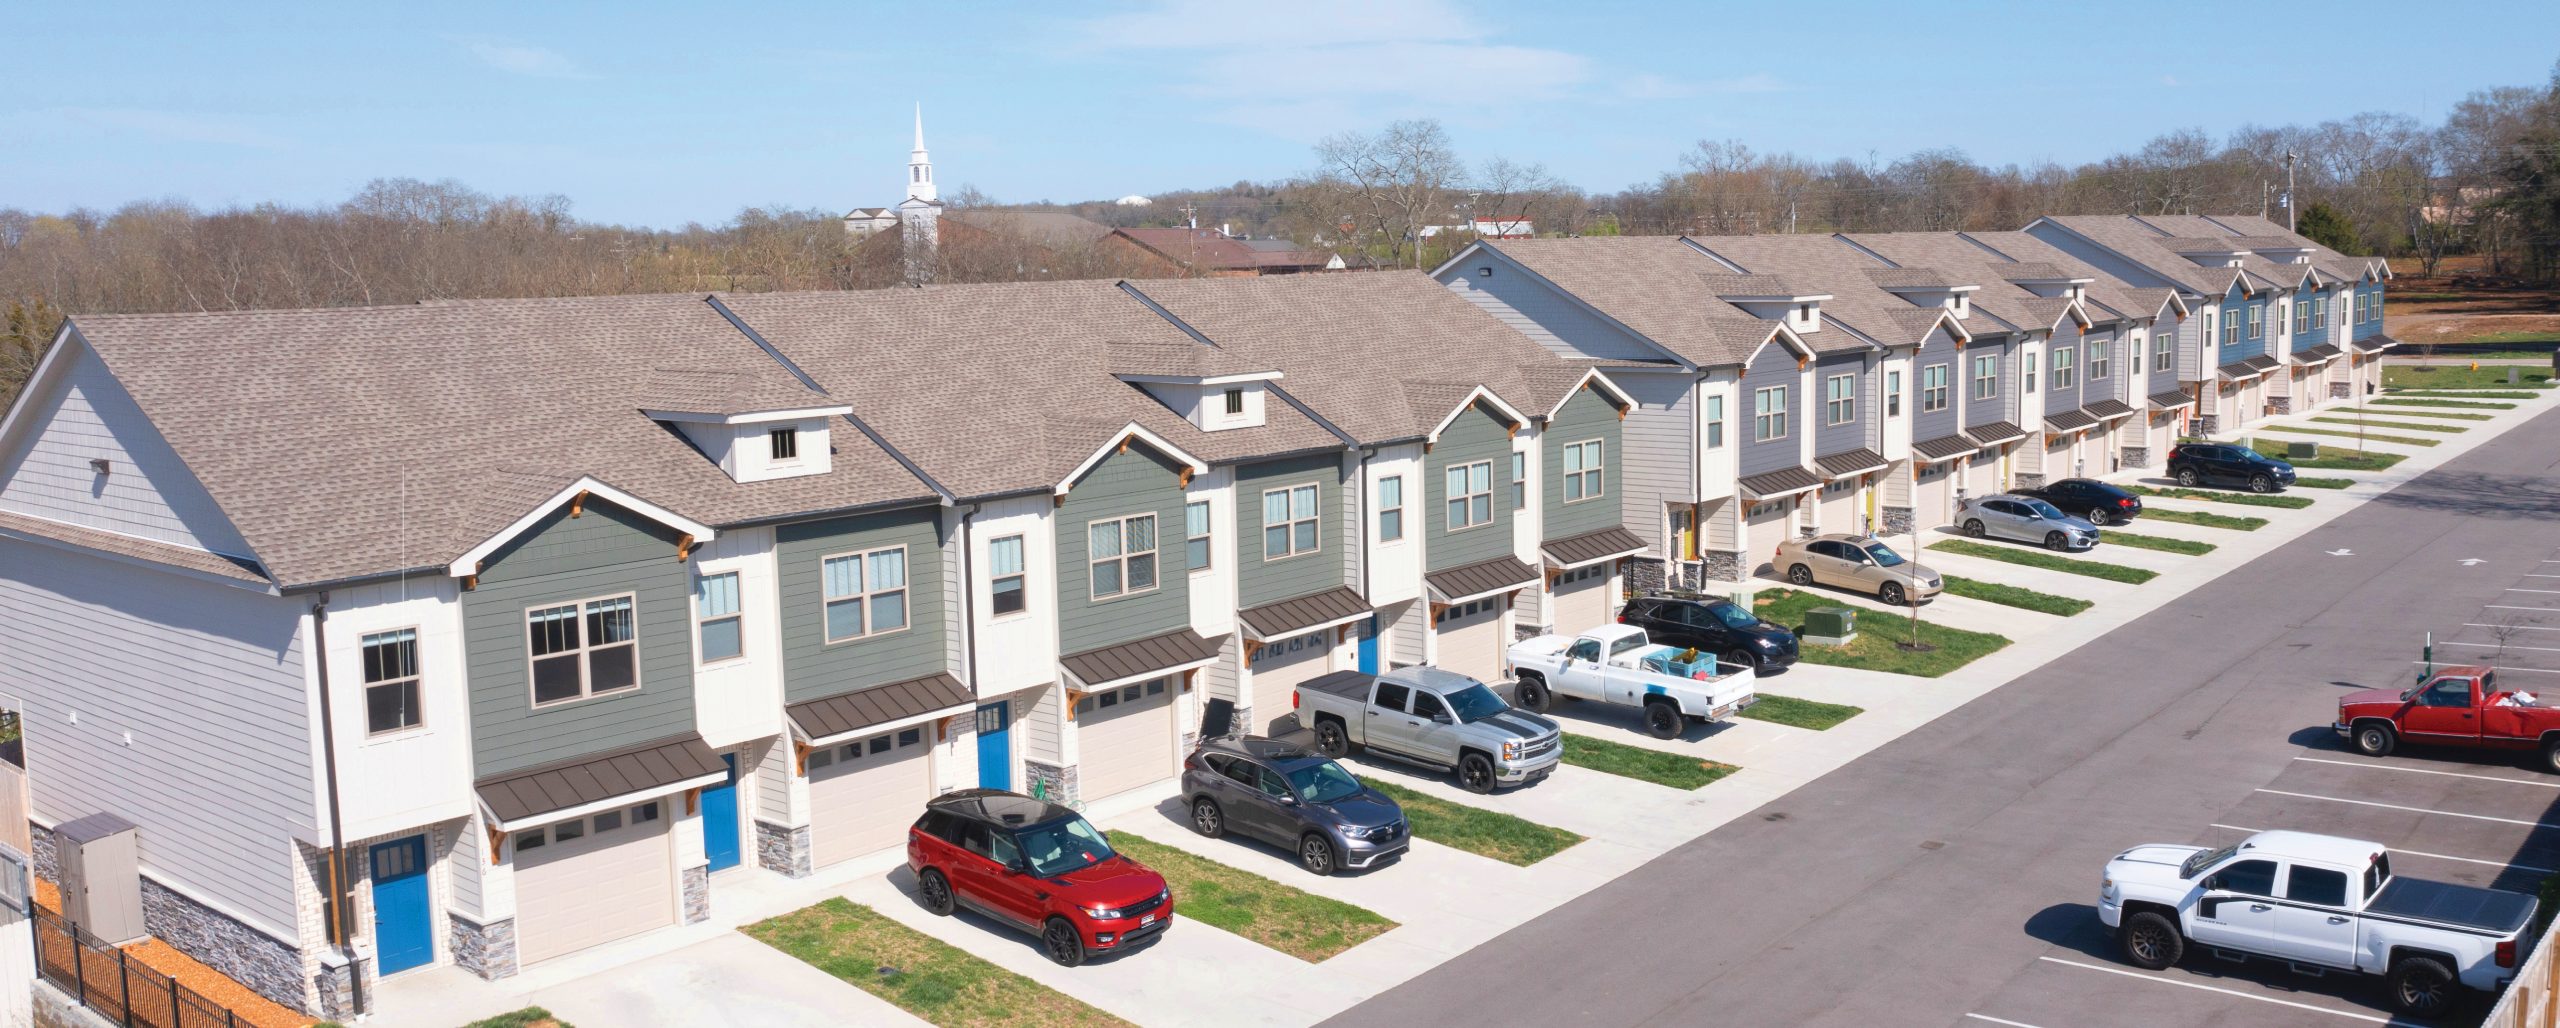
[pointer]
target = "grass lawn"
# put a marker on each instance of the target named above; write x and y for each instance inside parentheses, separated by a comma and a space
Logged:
(1637, 762)
(1788, 710)
(2412, 412)
(2466, 394)
(2161, 543)
(2413, 376)
(1283, 917)
(2430, 401)
(920, 974)
(2307, 482)
(2545, 338)
(2371, 422)
(2012, 596)
(2047, 561)
(1474, 829)
(2244, 499)
(1874, 648)
(2335, 460)
(2405, 440)
(2205, 520)
(529, 1017)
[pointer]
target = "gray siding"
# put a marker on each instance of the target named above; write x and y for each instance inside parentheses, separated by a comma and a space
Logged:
(1587, 416)
(1661, 437)
(1350, 539)
(148, 492)
(2160, 378)
(1858, 431)
(2100, 257)
(1260, 581)
(606, 552)
(1478, 434)
(1775, 365)
(812, 667)
(1940, 348)
(2119, 366)
(1538, 311)
(2057, 400)
(2002, 401)
(1133, 481)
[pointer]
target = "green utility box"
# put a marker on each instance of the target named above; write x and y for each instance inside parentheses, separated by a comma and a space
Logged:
(1830, 626)
(2305, 451)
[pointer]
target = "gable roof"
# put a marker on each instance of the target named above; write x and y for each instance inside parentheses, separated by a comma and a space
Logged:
(1868, 309)
(2036, 259)
(1650, 285)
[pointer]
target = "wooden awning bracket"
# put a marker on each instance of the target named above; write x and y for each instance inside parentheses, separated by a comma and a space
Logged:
(578, 504)
(684, 547)
(496, 838)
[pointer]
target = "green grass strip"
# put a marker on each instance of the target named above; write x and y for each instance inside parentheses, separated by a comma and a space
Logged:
(2331, 459)
(1799, 713)
(1283, 917)
(1645, 765)
(2438, 376)
(2013, 596)
(529, 1017)
(1879, 632)
(2161, 543)
(2461, 394)
(2413, 412)
(918, 973)
(2244, 499)
(2367, 436)
(2047, 561)
(2370, 422)
(2399, 401)
(2203, 519)
(1487, 833)
(2307, 482)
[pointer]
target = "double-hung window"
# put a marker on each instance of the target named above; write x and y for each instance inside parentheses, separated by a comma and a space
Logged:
(1470, 491)
(2319, 315)
(1769, 414)
(391, 682)
(1715, 422)
(1195, 535)
(2230, 331)
(1390, 508)
(1986, 376)
(866, 593)
(1121, 555)
(1933, 388)
(583, 649)
(2163, 350)
(2134, 348)
(2302, 317)
(1893, 394)
(2257, 321)
(1582, 466)
(2064, 374)
(1289, 525)
(2027, 370)
(1519, 480)
(1840, 399)
(2098, 360)
(718, 624)
(1006, 587)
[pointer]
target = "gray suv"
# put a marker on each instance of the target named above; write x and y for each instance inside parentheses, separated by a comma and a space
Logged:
(1287, 796)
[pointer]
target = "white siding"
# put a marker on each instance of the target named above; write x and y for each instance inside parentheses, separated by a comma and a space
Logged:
(1043, 728)
(1213, 590)
(1395, 569)
(147, 492)
(1660, 440)
(397, 781)
(464, 850)
(740, 699)
(1528, 524)
(1017, 651)
(208, 683)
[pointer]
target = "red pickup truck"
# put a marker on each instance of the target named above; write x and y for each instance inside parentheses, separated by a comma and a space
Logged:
(2457, 706)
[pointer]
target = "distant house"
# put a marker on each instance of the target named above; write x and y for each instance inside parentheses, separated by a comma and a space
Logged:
(864, 222)
(1488, 228)
(1210, 253)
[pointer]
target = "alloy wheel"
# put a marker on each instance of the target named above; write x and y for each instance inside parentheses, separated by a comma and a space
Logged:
(2149, 943)
(1204, 817)
(1061, 943)
(1317, 855)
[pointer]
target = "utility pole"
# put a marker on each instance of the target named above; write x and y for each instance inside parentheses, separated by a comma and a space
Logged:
(2290, 215)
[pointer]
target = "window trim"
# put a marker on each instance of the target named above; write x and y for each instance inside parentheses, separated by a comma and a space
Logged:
(1122, 558)
(2064, 367)
(1466, 500)
(906, 589)
(1208, 536)
(1892, 394)
(739, 615)
(2164, 353)
(1715, 422)
(2027, 370)
(775, 440)
(1595, 467)
(1385, 509)
(1762, 412)
(416, 679)
(2257, 321)
(1986, 386)
(1289, 496)
(586, 647)
(2101, 364)
(1023, 576)
(1938, 372)
(1519, 480)
(1235, 403)
(1831, 403)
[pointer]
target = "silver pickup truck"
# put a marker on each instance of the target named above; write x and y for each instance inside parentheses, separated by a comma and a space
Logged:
(1438, 719)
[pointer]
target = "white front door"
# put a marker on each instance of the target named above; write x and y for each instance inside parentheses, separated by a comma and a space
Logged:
(594, 879)
(1125, 738)
(863, 794)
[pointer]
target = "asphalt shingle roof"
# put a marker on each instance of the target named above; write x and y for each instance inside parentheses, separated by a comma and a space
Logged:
(1650, 284)
(1821, 264)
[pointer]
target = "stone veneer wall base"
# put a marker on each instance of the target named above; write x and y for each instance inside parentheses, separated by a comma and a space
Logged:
(1059, 783)
(784, 851)
(1898, 520)
(251, 957)
(1722, 568)
(1645, 575)
(2029, 481)
(488, 951)
(697, 894)
(2279, 405)
(2137, 456)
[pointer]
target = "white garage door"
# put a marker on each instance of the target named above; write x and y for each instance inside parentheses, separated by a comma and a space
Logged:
(1471, 640)
(590, 881)
(863, 794)
(1840, 511)
(1125, 737)
(1933, 491)
(1582, 599)
(1982, 476)
(1278, 668)
(1768, 524)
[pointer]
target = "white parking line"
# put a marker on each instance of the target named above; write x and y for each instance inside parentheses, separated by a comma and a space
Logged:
(2510, 606)
(2413, 810)
(2358, 1015)
(2550, 591)
(2000, 1020)
(2520, 628)
(2504, 646)
(2502, 667)
(2527, 868)
(2370, 766)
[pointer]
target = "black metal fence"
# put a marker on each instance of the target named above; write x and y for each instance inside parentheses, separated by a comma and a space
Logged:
(120, 989)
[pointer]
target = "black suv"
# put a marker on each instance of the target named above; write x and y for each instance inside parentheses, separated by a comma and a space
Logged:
(1288, 796)
(1719, 627)
(2198, 463)
(2097, 501)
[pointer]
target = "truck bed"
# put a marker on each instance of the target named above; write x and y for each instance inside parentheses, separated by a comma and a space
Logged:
(1350, 685)
(2459, 906)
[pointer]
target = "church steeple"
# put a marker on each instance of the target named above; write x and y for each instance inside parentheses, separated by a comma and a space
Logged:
(920, 166)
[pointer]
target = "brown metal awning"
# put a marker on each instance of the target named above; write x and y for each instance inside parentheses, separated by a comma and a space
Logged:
(2320, 354)
(2067, 421)
(2377, 343)
(520, 799)
(1335, 606)
(1590, 548)
(2238, 371)
(1944, 448)
(1995, 433)
(2262, 363)
(2107, 410)
(873, 706)
(1153, 657)
(1855, 462)
(1479, 580)
(2172, 400)
(1783, 482)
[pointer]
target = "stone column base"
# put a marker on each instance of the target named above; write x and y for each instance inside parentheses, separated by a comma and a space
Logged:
(486, 950)
(1899, 520)
(783, 851)
(1644, 576)
(2137, 456)
(1057, 783)
(336, 987)
(697, 894)
(2208, 424)
(1722, 567)
(2279, 405)
(2026, 480)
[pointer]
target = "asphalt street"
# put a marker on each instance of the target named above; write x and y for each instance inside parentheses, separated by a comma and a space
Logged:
(1950, 877)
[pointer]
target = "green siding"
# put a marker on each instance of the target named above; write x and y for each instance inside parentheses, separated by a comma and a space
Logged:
(1477, 435)
(812, 668)
(1267, 581)
(1134, 481)
(606, 552)
(1587, 416)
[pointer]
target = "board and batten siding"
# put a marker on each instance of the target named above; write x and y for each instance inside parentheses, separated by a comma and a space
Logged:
(1587, 416)
(1136, 480)
(1262, 580)
(147, 492)
(209, 681)
(1655, 465)
(1940, 348)
(607, 551)
(1534, 309)
(1856, 432)
(812, 667)
(1775, 365)
(1478, 434)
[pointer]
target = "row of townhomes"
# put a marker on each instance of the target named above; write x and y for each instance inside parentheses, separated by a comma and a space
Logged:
(483, 632)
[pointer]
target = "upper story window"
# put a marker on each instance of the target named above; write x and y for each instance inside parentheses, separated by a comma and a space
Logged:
(2027, 370)
(866, 593)
(1289, 523)
(1519, 480)
(785, 443)
(1235, 401)
(717, 620)
(391, 682)
(1390, 508)
(1195, 535)
(1986, 376)
(1715, 422)
(2302, 317)
(2230, 331)
(1769, 414)
(1006, 586)
(1840, 399)
(1121, 555)
(1933, 388)
(2064, 375)
(1470, 491)
(1582, 467)
(2319, 314)
(2134, 346)
(2098, 360)
(2258, 321)
(1893, 394)
(583, 649)
(2162, 354)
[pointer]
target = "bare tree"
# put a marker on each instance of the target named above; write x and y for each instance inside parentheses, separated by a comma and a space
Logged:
(1390, 185)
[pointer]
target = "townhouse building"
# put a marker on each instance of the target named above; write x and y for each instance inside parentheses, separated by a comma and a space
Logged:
(2148, 322)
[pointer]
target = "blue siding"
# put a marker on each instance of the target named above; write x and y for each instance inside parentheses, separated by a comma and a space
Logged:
(2235, 311)
(2372, 328)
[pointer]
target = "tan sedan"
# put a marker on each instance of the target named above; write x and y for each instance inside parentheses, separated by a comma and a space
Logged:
(1858, 563)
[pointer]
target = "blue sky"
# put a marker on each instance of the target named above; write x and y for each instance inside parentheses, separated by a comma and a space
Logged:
(661, 114)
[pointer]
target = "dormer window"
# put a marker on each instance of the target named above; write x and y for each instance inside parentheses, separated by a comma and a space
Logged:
(1956, 303)
(1235, 402)
(1804, 312)
(785, 443)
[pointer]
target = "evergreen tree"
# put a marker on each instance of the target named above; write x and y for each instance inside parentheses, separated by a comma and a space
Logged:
(2324, 225)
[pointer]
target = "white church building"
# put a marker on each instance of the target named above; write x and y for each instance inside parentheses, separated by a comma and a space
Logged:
(921, 210)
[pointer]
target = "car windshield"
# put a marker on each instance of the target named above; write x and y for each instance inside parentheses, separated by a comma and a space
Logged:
(1475, 703)
(2195, 865)
(1323, 782)
(1733, 616)
(2041, 507)
(1060, 847)
(1884, 555)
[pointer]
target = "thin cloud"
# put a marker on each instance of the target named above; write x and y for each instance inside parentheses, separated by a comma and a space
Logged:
(170, 126)
(523, 59)
(2170, 81)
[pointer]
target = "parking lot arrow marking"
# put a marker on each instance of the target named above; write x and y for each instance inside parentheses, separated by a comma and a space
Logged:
(2342, 553)
(2469, 561)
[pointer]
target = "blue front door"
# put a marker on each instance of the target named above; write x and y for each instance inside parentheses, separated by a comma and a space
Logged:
(1369, 646)
(403, 932)
(720, 818)
(995, 746)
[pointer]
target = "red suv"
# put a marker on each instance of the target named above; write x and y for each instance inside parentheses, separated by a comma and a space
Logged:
(1039, 867)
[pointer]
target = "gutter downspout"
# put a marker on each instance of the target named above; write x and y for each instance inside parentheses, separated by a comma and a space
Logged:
(1368, 554)
(341, 896)
(968, 602)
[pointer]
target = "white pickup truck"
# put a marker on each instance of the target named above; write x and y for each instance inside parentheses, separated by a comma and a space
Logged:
(1610, 664)
(2321, 904)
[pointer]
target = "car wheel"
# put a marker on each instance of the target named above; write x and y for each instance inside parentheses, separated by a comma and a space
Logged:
(2098, 516)
(1207, 819)
(2151, 941)
(935, 891)
(1532, 694)
(2376, 740)
(1315, 853)
(2187, 477)
(2056, 541)
(1062, 942)
(1974, 528)
(2421, 986)
(1737, 659)
(2551, 756)
(1663, 720)
(1475, 772)
(2261, 484)
(1800, 575)
(1890, 593)
(1331, 741)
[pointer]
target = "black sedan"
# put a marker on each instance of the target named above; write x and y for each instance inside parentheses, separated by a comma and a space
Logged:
(2195, 464)
(1720, 627)
(2097, 501)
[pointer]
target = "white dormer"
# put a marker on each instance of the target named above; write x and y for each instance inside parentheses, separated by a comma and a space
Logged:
(761, 447)
(1955, 299)
(1801, 314)
(2210, 253)
(2055, 288)
(1214, 404)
